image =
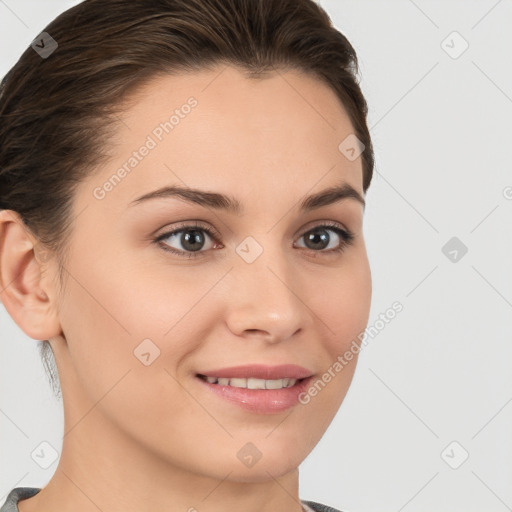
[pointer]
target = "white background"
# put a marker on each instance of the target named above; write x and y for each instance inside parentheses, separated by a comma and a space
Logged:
(440, 371)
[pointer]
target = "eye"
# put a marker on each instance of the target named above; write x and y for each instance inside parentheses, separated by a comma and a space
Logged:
(192, 239)
(190, 236)
(318, 236)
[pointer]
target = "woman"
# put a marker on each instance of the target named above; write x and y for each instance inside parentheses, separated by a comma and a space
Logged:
(182, 189)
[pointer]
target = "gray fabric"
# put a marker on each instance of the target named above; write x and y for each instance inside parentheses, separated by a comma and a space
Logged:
(20, 493)
(17, 494)
(317, 507)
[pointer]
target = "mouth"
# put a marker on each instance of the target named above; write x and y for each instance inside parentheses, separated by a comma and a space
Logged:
(259, 396)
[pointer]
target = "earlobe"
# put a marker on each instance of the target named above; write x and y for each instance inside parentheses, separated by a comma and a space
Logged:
(22, 289)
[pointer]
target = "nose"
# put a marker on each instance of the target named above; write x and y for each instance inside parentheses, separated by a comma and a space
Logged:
(266, 300)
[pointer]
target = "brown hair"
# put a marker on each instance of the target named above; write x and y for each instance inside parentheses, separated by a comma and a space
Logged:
(56, 113)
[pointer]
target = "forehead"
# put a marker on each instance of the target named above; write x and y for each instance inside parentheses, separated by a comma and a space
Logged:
(219, 130)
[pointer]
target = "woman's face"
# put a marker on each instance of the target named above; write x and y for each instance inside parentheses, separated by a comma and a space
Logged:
(267, 287)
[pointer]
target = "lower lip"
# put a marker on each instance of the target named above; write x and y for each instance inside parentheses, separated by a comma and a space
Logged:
(261, 401)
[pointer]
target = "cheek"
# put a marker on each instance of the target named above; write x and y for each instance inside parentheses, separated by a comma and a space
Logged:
(118, 315)
(342, 310)
(131, 299)
(344, 307)
(122, 360)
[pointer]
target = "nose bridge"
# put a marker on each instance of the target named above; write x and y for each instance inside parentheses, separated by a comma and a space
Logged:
(264, 298)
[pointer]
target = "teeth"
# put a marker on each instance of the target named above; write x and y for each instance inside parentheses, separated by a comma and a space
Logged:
(252, 383)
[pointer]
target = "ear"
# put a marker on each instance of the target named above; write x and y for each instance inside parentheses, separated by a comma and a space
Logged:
(23, 292)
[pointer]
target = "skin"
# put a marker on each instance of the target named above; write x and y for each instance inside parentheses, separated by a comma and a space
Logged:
(137, 437)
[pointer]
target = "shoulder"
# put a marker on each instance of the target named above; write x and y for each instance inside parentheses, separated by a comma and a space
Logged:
(314, 506)
(17, 494)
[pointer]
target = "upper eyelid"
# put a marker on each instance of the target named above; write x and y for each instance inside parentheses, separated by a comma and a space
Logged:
(188, 225)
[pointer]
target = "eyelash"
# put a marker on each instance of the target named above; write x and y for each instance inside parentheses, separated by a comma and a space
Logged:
(347, 238)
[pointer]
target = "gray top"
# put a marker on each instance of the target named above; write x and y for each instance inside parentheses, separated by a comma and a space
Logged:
(21, 493)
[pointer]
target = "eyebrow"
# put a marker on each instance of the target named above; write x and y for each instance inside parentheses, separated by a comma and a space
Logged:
(230, 204)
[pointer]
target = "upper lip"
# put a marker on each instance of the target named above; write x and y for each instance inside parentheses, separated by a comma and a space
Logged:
(261, 371)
